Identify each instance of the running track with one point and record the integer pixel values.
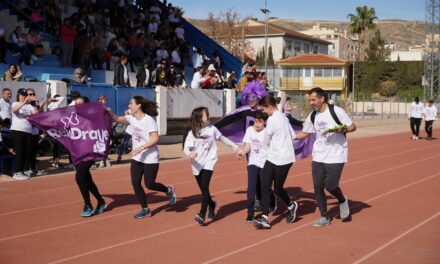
(392, 183)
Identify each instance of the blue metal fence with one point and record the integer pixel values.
(118, 97)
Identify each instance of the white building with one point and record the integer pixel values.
(292, 42)
(342, 46)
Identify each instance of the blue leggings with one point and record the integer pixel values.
(255, 174)
(124, 144)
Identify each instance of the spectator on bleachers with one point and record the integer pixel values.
(73, 96)
(3, 45)
(68, 35)
(155, 11)
(197, 79)
(17, 45)
(36, 17)
(79, 76)
(153, 26)
(53, 16)
(175, 57)
(18, 74)
(33, 42)
(180, 32)
(6, 104)
(160, 74)
(171, 77)
(121, 73)
(116, 50)
(10, 73)
(143, 76)
(198, 59)
(162, 54)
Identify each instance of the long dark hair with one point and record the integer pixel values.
(195, 122)
(148, 107)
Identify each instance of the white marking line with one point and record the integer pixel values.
(124, 243)
(229, 174)
(125, 179)
(309, 223)
(377, 250)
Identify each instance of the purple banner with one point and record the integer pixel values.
(83, 129)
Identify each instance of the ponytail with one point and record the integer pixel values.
(148, 107)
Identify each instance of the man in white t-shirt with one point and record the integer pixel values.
(198, 79)
(330, 151)
(430, 113)
(6, 104)
(415, 117)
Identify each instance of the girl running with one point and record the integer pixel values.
(145, 153)
(200, 146)
(280, 157)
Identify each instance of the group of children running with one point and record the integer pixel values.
(267, 144)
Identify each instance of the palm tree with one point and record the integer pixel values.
(360, 23)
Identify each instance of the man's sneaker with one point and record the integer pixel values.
(250, 218)
(414, 137)
(291, 215)
(101, 164)
(87, 212)
(200, 219)
(108, 163)
(142, 213)
(20, 176)
(417, 138)
(257, 206)
(171, 195)
(323, 221)
(30, 173)
(261, 223)
(211, 212)
(344, 209)
(274, 206)
(100, 207)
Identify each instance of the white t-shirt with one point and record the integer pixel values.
(279, 137)
(430, 113)
(197, 80)
(19, 121)
(175, 57)
(140, 131)
(180, 33)
(55, 105)
(205, 147)
(331, 147)
(5, 109)
(258, 153)
(416, 110)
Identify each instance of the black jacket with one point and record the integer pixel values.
(141, 76)
(119, 76)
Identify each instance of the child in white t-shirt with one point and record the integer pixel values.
(200, 145)
(253, 139)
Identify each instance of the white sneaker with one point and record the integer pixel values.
(344, 209)
(414, 137)
(101, 164)
(108, 163)
(417, 138)
(20, 176)
(29, 173)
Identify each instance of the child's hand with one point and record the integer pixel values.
(193, 155)
(240, 153)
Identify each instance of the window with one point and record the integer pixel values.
(317, 71)
(327, 72)
(315, 50)
(306, 48)
(297, 46)
(297, 72)
(308, 72)
(337, 71)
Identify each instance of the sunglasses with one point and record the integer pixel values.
(31, 94)
(77, 73)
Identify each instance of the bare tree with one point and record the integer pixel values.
(228, 29)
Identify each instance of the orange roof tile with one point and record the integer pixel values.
(313, 58)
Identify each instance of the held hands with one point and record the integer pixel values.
(136, 151)
(240, 153)
(193, 155)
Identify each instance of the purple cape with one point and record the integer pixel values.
(83, 129)
(234, 125)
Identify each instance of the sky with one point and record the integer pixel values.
(334, 10)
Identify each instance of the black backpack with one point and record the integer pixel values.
(331, 107)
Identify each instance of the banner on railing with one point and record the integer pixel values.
(181, 102)
(83, 129)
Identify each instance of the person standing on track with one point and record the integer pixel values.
(145, 153)
(430, 113)
(330, 151)
(280, 157)
(200, 145)
(415, 117)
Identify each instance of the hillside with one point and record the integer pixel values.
(402, 32)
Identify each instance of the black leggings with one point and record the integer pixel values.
(277, 175)
(428, 127)
(415, 125)
(85, 182)
(137, 170)
(203, 180)
(22, 143)
(34, 152)
(326, 176)
(56, 150)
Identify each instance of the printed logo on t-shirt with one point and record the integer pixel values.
(208, 141)
(256, 145)
(322, 125)
(137, 134)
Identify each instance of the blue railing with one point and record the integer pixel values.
(118, 98)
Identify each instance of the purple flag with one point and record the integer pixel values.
(83, 129)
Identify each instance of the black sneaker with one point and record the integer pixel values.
(200, 219)
(261, 223)
(257, 206)
(250, 218)
(291, 216)
(211, 213)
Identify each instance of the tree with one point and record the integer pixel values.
(228, 29)
(270, 61)
(283, 56)
(362, 21)
(376, 50)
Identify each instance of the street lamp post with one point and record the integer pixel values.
(266, 13)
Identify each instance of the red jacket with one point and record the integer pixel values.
(68, 34)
